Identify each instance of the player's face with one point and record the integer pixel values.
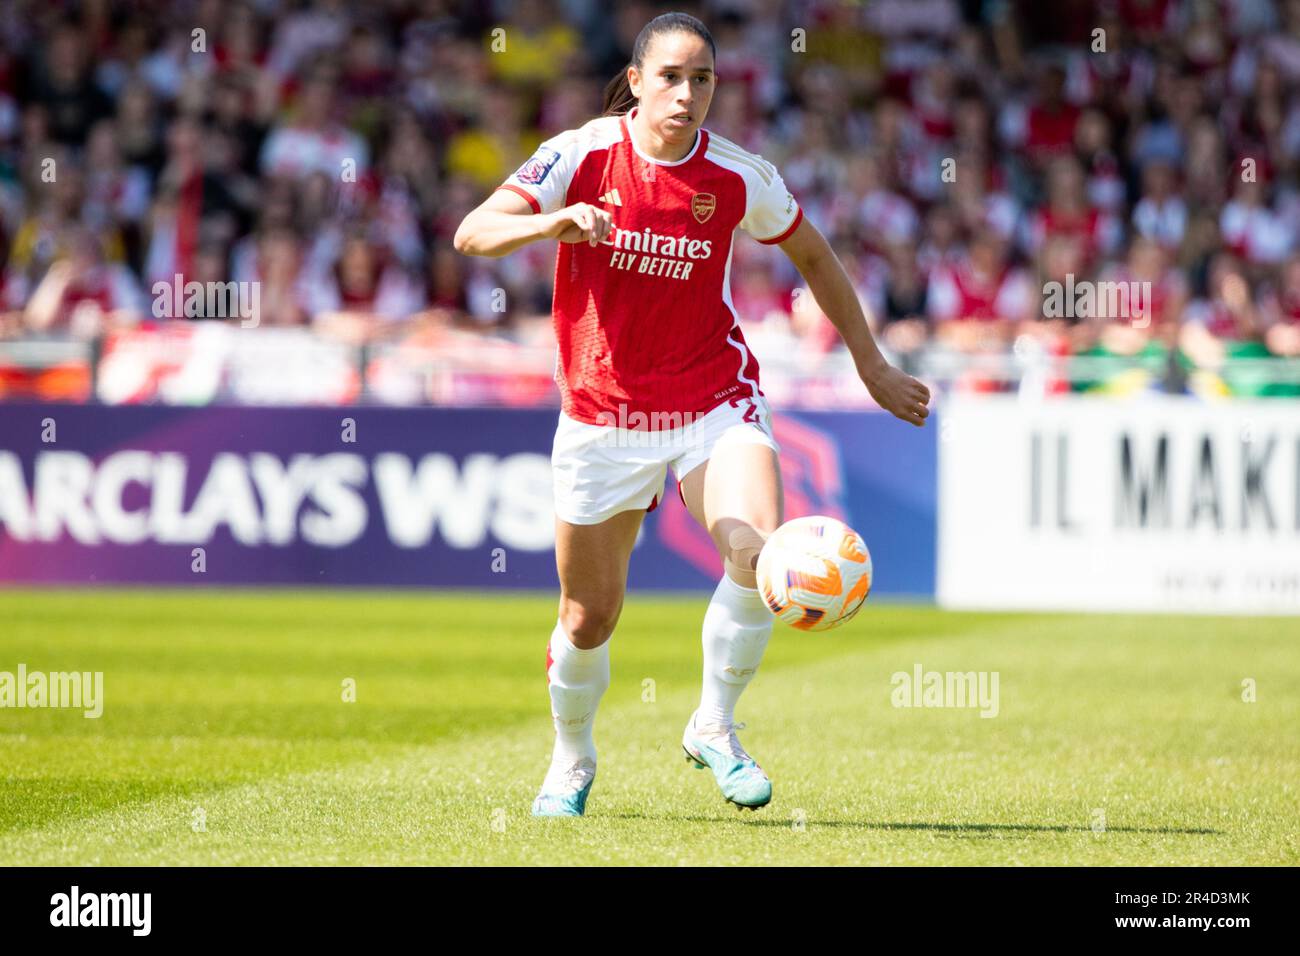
(675, 85)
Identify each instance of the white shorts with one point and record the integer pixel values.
(600, 470)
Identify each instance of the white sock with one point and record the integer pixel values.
(737, 626)
(578, 677)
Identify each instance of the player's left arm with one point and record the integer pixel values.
(893, 389)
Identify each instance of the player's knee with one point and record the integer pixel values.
(741, 547)
(590, 621)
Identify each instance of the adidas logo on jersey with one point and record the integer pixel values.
(611, 197)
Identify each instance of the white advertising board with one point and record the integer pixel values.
(1151, 504)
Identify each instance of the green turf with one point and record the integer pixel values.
(226, 707)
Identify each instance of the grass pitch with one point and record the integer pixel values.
(225, 738)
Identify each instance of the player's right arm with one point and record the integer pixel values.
(540, 186)
(506, 220)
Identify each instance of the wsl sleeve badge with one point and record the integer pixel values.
(536, 169)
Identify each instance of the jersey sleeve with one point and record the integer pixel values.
(544, 179)
(771, 212)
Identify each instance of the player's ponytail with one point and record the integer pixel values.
(618, 93)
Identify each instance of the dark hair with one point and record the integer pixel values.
(618, 94)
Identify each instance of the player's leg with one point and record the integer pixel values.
(592, 562)
(604, 483)
(736, 496)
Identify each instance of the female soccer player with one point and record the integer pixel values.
(653, 372)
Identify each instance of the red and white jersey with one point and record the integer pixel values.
(1099, 232)
(959, 293)
(644, 321)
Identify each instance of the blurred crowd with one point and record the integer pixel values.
(960, 157)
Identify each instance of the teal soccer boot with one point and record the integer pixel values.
(740, 778)
(565, 789)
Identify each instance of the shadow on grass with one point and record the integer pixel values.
(960, 829)
(27, 804)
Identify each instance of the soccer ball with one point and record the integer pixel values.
(814, 573)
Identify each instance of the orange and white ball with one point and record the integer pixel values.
(814, 573)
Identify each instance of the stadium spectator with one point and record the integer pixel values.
(977, 302)
(83, 293)
(312, 140)
(65, 86)
(1160, 214)
(904, 317)
(1068, 213)
(1281, 313)
(1224, 319)
(363, 291)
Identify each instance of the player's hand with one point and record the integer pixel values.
(581, 222)
(898, 393)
